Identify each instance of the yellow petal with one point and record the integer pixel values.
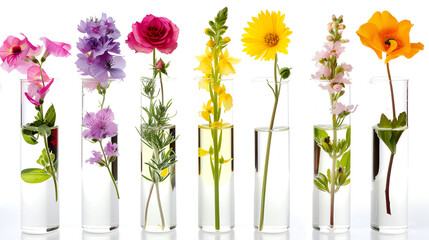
(164, 172)
(202, 152)
(204, 84)
(205, 115)
(226, 99)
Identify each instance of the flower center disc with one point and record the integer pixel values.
(271, 39)
(16, 49)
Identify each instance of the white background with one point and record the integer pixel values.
(307, 19)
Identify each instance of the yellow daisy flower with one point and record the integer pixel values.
(225, 63)
(205, 62)
(266, 36)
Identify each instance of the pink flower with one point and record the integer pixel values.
(337, 87)
(97, 157)
(100, 125)
(323, 72)
(341, 79)
(346, 67)
(321, 55)
(334, 49)
(90, 85)
(16, 54)
(36, 92)
(58, 49)
(153, 32)
(33, 73)
(159, 64)
(339, 108)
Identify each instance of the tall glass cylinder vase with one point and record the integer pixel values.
(271, 122)
(100, 194)
(332, 139)
(158, 169)
(389, 191)
(216, 156)
(39, 159)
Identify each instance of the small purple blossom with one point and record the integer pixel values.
(99, 27)
(110, 149)
(97, 157)
(100, 125)
(106, 65)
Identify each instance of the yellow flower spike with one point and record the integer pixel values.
(266, 36)
(202, 152)
(164, 172)
(225, 63)
(205, 62)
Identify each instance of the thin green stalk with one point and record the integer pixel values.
(334, 162)
(147, 205)
(392, 155)
(54, 178)
(160, 207)
(267, 153)
(108, 169)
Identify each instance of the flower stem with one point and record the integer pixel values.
(216, 177)
(267, 153)
(160, 207)
(147, 205)
(334, 162)
(108, 169)
(389, 171)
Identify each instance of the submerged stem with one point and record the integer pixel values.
(147, 205)
(267, 153)
(108, 169)
(160, 207)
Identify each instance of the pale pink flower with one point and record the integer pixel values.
(90, 85)
(321, 55)
(323, 72)
(334, 49)
(341, 79)
(339, 108)
(33, 74)
(337, 87)
(346, 67)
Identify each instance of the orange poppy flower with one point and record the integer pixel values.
(383, 33)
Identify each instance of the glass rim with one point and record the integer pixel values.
(386, 79)
(270, 80)
(37, 80)
(167, 79)
(222, 80)
(95, 80)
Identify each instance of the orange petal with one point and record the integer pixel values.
(384, 21)
(415, 48)
(367, 32)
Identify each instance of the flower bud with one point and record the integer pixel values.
(227, 39)
(330, 38)
(285, 72)
(334, 18)
(160, 64)
(335, 25)
(210, 43)
(337, 87)
(342, 26)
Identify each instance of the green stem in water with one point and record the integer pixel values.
(267, 153)
(160, 207)
(108, 169)
(147, 205)
(389, 170)
(334, 162)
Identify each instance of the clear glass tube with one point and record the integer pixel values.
(158, 197)
(389, 190)
(270, 116)
(332, 144)
(216, 167)
(100, 203)
(39, 201)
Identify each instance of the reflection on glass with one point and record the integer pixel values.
(270, 236)
(55, 235)
(114, 235)
(330, 235)
(171, 235)
(216, 235)
(383, 236)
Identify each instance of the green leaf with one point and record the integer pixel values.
(347, 182)
(44, 130)
(50, 116)
(29, 136)
(345, 161)
(384, 122)
(391, 137)
(34, 175)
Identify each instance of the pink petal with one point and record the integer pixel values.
(43, 90)
(31, 100)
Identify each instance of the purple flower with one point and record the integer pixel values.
(100, 125)
(106, 65)
(99, 27)
(110, 149)
(97, 157)
(95, 47)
